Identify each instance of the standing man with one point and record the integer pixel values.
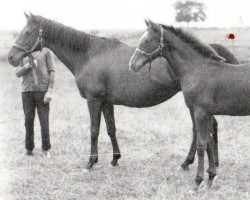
(37, 89)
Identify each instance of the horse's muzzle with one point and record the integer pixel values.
(133, 67)
(13, 58)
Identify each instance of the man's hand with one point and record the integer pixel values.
(32, 63)
(48, 96)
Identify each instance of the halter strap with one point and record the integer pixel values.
(160, 48)
(30, 51)
(38, 41)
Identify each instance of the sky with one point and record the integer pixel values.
(119, 14)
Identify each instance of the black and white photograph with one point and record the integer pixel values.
(125, 100)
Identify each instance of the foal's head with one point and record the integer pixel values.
(27, 41)
(159, 37)
(149, 48)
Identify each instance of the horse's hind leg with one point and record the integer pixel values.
(191, 154)
(211, 159)
(108, 112)
(213, 127)
(94, 105)
(202, 121)
(215, 138)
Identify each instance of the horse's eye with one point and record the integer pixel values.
(27, 32)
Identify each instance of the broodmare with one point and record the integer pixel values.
(101, 73)
(210, 86)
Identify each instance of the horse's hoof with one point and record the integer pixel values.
(183, 168)
(211, 182)
(196, 188)
(86, 171)
(192, 191)
(47, 154)
(113, 165)
(95, 166)
(28, 153)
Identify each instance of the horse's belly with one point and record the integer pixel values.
(143, 98)
(232, 108)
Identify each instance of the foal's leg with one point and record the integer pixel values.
(201, 121)
(211, 160)
(191, 154)
(108, 112)
(94, 105)
(215, 138)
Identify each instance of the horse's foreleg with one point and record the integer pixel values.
(94, 105)
(108, 112)
(191, 154)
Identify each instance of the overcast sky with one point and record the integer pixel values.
(119, 14)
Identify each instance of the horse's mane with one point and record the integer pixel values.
(70, 37)
(200, 47)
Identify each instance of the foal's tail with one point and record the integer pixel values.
(225, 53)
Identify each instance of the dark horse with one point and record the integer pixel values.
(210, 86)
(101, 73)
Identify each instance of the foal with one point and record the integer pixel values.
(210, 86)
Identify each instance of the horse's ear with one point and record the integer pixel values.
(146, 22)
(153, 25)
(26, 15)
(32, 15)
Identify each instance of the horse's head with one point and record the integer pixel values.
(150, 47)
(28, 41)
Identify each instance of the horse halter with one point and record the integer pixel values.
(29, 51)
(160, 48)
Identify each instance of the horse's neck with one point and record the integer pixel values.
(179, 55)
(76, 59)
(172, 61)
(65, 56)
(96, 45)
(69, 58)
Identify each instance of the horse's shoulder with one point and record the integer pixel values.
(91, 82)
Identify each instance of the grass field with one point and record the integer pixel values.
(153, 141)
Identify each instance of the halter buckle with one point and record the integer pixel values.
(40, 32)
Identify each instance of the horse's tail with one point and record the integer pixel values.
(225, 53)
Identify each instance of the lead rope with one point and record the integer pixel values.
(31, 57)
(31, 62)
(149, 70)
(40, 40)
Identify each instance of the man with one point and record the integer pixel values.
(37, 88)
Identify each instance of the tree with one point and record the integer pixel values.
(189, 10)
